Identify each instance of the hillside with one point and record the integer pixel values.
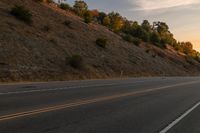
(39, 52)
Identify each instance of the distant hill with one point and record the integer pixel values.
(58, 45)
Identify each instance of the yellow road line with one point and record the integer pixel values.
(84, 102)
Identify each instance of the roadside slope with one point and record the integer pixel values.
(39, 52)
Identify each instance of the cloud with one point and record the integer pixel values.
(161, 4)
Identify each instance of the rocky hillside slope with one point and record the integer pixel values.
(40, 51)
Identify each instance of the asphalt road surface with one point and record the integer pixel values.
(138, 105)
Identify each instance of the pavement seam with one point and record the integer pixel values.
(63, 88)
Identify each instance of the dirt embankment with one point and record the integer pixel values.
(39, 52)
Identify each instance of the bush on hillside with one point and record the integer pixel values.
(147, 50)
(65, 6)
(137, 41)
(160, 45)
(20, 12)
(39, 0)
(54, 40)
(101, 42)
(46, 28)
(131, 39)
(47, 1)
(128, 38)
(67, 23)
(190, 60)
(76, 61)
(197, 58)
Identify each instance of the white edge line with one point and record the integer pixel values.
(171, 125)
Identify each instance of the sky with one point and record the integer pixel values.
(182, 16)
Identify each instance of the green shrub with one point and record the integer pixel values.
(155, 38)
(162, 45)
(76, 61)
(131, 39)
(128, 38)
(65, 6)
(101, 42)
(137, 41)
(20, 12)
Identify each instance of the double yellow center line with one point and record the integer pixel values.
(85, 102)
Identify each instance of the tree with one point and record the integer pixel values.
(101, 17)
(187, 47)
(166, 37)
(137, 31)
(116, 21)
(88, 17)
(106, 21)
(146, 25)
(95, 15)
(155, 38)
(161, 27)
(142, 34)
(127, 26)
(80, 7)
(176, 45)
(134, 27)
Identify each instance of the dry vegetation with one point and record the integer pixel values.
(58, 45)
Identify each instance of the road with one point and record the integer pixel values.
(137, 105)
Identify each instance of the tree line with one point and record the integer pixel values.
(157, 33)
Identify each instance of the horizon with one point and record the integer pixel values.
(184, 27)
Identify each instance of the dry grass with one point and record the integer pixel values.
(28, 53)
